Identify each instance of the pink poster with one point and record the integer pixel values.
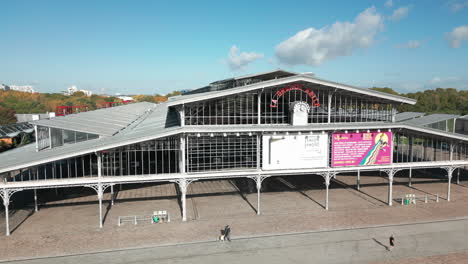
(361, 149)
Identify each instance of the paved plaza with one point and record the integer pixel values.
(415, 243)
(69, 225)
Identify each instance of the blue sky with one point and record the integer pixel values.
(146, 47)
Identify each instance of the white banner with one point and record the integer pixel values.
(295, 152)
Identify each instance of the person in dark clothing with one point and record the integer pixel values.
(392, 242)
(227, 233)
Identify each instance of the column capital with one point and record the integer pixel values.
(327, 176)
(450, 170)
(6, 194)
(183, 184)
(99, 188)
(391, 172)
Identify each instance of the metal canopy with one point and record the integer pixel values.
(399, 117)
(13, 130)
(105, 122)
(430, 119)
(295, 78)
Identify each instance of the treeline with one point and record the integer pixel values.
(14, 102)
(440, 100)
(449, 101)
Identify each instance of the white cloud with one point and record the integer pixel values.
(389, 3)
(314, 46)
(435, 80)
(458, 35)
(238, 60)
(457, 6)
(447, 82)
(399, 13)
(412, 44)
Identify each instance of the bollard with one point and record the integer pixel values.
(136, 220)
(425, 199)
(402, 199)
(437, 198)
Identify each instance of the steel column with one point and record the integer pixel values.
(112, 194)
(358, 180)
(449, 170)
(99, 163)
(35, 201)
(100, 194)
(6, 202)
(390, 173)
(327, 177)
(258, 182)
(259, 103)
(329, 106)
(410, 176)
(37, 138)
(182, 154)
(183, 190)
(327, 184)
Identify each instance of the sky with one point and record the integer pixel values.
(149, 47)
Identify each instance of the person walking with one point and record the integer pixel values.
(227, 233)
(392, 242)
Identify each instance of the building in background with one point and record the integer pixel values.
(19, 88)
(73, 89)
(125, 98)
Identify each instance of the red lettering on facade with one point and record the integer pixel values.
(282, 91)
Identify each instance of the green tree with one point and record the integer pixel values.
(7, 116)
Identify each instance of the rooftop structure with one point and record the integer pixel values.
(19, 88)
(277, 123)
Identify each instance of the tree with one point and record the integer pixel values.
(7, 116)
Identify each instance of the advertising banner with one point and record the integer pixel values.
(295, 151)
(361, 149)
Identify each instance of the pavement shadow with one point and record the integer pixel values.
(294, 187)
(360, 191)
(31, 212)
(381, 244)
(243, 196)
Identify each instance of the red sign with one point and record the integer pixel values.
(292, 87)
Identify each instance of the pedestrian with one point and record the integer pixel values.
(227, 233)
(392, 242)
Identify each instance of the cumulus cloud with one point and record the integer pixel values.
(314, 46)
(457, 6)
(435, 80)
(412, 44)
(447, 82)
(399, 13)
(457, 36)
(389, 3)
(238, 60)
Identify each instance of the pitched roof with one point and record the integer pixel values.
(299, 77)
(15, 129)
(431, 119)
(407, 115)
(104, 122)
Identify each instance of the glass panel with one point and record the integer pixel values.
(68, 136)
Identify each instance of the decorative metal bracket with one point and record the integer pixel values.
(327, 176)
(183, 183)
(6, 194)
(258, 179)
(450, 170)
(99, 188)
(391, 172)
